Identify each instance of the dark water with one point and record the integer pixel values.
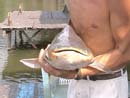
(17, 80)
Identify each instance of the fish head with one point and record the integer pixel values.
(69, 55)
(52, 55)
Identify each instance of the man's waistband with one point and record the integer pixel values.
(105, 76)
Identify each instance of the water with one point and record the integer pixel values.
(14, 76)
(17, 80)
(3, 53)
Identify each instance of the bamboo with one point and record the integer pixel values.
(9, 19)
(20, 9)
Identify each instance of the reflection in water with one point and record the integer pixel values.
(16, 77)
(16, 69)
(3, 52)
(28, 91)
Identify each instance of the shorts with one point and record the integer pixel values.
(110, 88)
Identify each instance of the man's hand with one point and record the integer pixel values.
(53, 71)
(47, 68)
(89, 71)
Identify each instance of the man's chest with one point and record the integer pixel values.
(89, 16)
(88, 12)
(90, 19)
(88, 9)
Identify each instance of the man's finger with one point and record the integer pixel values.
(41, 54)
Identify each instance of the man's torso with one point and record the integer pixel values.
(91, 20)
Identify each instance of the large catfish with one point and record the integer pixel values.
(67, 51)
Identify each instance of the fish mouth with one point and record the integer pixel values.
(71, 49)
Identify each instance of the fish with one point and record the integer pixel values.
(67, 51)
(31, 62)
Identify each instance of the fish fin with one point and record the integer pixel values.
(31, 62)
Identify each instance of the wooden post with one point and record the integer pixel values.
(9, 19)
(29, 40)
(20, 9)
(9, 39)
(15, 39)
(21, 38)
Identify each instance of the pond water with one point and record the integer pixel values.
(14, 76)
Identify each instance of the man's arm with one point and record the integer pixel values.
(120, 26)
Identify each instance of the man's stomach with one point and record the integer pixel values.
(99, 43)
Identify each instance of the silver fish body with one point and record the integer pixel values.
(67, 51)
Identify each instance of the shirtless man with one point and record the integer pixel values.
(104, 26)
